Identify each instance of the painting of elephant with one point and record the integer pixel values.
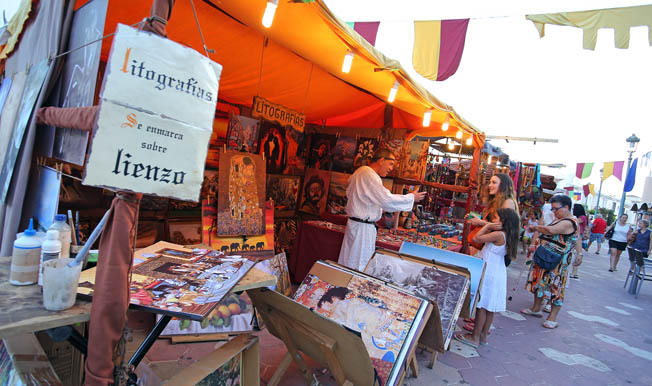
(260, 245)
(235, 247)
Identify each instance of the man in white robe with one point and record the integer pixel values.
(367, 198)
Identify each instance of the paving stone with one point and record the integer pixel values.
(454, 360)
(508, 380)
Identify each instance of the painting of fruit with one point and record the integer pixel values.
(233, 314)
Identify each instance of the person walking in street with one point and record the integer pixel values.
(582, 222)
(618, 241)
(557, 239)
(597, 232)
(367, 198)
(500, 241)
(641, 246)
(530, 220)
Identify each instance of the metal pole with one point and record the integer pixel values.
(597, 204)
(621, 210)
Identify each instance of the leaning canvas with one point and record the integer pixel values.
(241, 194)
(441, 285)
(390, 320)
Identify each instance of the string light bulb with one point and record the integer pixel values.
(392, 92)
(444, 126)
(451, 146)
(459, 134)
(348, 61)
(469, 141)
(426, 118)
(270, 11)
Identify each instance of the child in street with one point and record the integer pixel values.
(527, 236)
(500, 240)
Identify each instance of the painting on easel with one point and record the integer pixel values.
(241, 196)
(390, 320)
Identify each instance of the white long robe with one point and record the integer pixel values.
(367, 198)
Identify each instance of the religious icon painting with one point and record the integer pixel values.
(343, 154)
(395, 146)
(413, 160)
(337, 193)
(273, 146)
(284, 191)
(321, 151)
(315, 191)
(297, 150)
(243, 134)
(241, 194)
(365, 150)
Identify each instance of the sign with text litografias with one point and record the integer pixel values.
(155, 120)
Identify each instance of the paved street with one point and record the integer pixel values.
(604, 338)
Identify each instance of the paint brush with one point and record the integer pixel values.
(72, 228)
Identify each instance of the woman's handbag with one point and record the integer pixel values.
(609, 234)
(546, 259)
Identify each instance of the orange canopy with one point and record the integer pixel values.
(297, 63)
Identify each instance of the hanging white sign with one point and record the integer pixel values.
(156, 116)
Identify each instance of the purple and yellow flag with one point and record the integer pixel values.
(438, 47)
(583, 170)
(366, 29)
(613, 169)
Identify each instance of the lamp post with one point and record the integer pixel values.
(597, 204)
(632, 144)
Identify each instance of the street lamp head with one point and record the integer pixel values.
(632, 143)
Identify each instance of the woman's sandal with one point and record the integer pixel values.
(462, 339)
(547, 308)
(550, 324)
(528, 311)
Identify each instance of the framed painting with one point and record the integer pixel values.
(297, 149)
(321, 151)
(237, 362)
(365, 149)
(243, 134)
(343, 154)
(413, 160)
(390, 320)
(273, 146)
(285, 234)
(284, 191)
(184, 231)
(241, 194)
(337, 193)
(315, 191)
(443, 285)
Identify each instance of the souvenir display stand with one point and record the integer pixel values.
(475, 267)
(446, 286)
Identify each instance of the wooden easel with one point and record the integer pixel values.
(323, 340)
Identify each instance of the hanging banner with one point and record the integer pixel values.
(155, 119)
(262, 108)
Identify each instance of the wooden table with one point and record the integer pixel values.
(23, 310)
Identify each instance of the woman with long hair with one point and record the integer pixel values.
(582, 221)
(618, 241)
(500, 240)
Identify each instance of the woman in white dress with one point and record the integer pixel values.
(500, 240)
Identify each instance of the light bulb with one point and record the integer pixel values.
(469, 141)
(270, 10)
(392, 92)
(445, 125)
(459, 134)
(426, 118)
(451, 146)
(348, 61)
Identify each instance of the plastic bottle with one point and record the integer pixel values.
(25, 258)
(65, 233)
(50, 249)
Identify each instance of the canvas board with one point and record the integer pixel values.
(315, 191)
(365, 149)
(389, 319)
(343, 154)
(32, 89)
(337, 199)
(243, 134)
(278, 266)
(273, 146)
(297, 148)
(395, 146)
(284, 191)
(42, 200)
(285, 234)
(321, 151)
(179, 286)
(241, 194)
(474, 265)
(76, 87)
(446, 288)
(414, 157)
